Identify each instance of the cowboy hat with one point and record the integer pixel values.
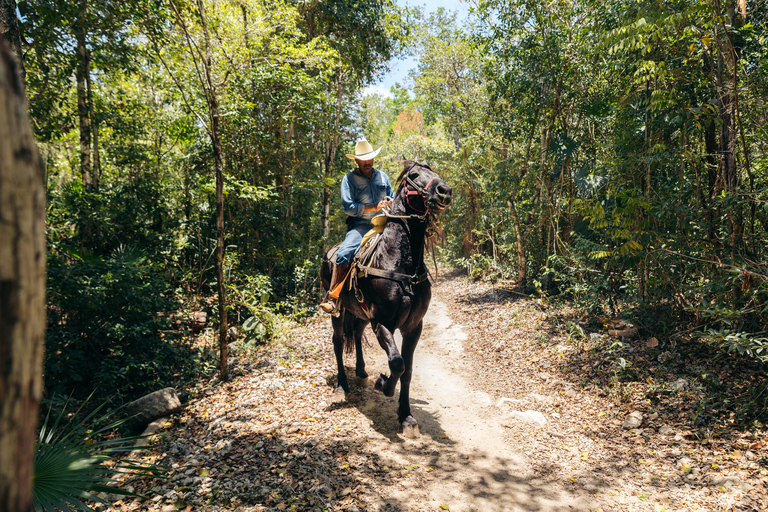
(364, 151)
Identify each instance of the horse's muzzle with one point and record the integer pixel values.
(443, 196)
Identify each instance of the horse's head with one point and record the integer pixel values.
(422, 190)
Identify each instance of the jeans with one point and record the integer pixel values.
(351, 243)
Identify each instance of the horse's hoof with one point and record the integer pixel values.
(338, 395)
(410, 428)
(361, 374)
(380, 383)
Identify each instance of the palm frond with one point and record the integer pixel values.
(72, 461)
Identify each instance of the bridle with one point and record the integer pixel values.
(431, 234)
(416, 191)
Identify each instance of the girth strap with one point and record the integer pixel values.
(395, 276)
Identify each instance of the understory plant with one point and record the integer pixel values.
(74, 460)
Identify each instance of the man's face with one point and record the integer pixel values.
(365, 166)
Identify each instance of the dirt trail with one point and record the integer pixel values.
(272, 439)
(461, 434)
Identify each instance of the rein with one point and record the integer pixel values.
(430, 237)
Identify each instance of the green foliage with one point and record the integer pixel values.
(109, 325)
(745, 344)
(73, 461)
(587, 145)
(133, 252)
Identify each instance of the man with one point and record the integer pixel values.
(364, 192)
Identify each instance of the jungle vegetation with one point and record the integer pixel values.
(612, 154)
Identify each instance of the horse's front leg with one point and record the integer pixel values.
(359, 361)
(410, 340)
(396, 365)
(338, 349)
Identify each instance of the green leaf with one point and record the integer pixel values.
(251, 323)
(68, 465)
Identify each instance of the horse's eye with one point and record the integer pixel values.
(414, 175)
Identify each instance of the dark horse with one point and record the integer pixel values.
(396, 290)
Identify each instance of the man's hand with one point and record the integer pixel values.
(378, 206)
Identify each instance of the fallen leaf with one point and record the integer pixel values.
(444, 506)
(686, 468)
(412, 466)
(652, 342)
(429, 470)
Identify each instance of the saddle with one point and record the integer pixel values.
(361, 263)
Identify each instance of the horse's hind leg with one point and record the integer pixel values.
(360, 362)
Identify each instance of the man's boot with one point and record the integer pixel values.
(331, 302)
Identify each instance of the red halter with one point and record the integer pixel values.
(416, 191)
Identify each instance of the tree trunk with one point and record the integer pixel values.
(96, 170)
(521, 259)
(325, 214)
(213, 106)
(215, 134)
(330, 157)
(82, 107)
(10, 30)
(22, 288)
(454, 131)
(727, 72)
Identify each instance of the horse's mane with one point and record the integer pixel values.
(407, 166)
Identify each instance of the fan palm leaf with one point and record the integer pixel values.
(72, 462)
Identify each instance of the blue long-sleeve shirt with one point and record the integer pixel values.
(357, 191)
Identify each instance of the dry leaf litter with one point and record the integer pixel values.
(273, 439)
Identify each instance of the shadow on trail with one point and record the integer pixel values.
(381, 410)
(494, 296)
(442, 470)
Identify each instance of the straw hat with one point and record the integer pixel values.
(364, 151)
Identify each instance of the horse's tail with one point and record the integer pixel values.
(348, 322)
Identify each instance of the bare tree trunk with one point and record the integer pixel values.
(326, 214)
(22, 288)
(10, 30)
(82, 106)
(215, 133)
(213, 106)
(454, 131)
(96, 171)
(521, 259)
(330, 156)
(727, 74)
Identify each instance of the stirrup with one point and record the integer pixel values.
(330, 306)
